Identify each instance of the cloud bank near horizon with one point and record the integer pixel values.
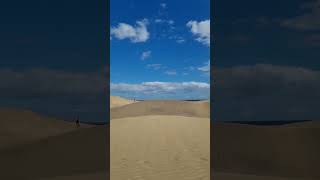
(266, 92)
(162, 90)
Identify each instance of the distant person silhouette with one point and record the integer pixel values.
(78, 121)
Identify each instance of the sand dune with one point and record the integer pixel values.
(116, 101)
(160, 140)
(288, 151)
(37, 147)
(83, 151)
(234, 176)
(93, 176)
(160, 147)
(22, 126)
(176, 108)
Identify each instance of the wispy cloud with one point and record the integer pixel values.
(171, 72)
(154, 66)
(137, 33)
(190, 68)
(180, 40)
(201, 30)
(163, 5)
(205, 68)
(145, 55)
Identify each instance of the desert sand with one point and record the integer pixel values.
(116, 101)
(149, 141)
(280, 152)
(34, 146)
(156, 140)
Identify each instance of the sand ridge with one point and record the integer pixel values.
(23, 126)
(162, 107)
(116, 101)
(160, 139)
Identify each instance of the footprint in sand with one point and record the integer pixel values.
(146, 164)
(204, 159)
(124, 163)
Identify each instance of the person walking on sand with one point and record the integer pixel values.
(78, 121)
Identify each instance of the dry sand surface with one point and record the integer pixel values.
(283, 152)
(37, 147)
(22, 126)
(234, 176)
(157, 140)
(116, 101)
(175, 108)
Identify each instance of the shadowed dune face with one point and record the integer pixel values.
(289, 151)
(21, 127)
(37, 147)
(235, 176)
(176, 108)
(77, 153)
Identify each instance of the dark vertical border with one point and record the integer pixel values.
(211, 86)
(108, 86)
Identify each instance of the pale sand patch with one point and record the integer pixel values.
(160, 148)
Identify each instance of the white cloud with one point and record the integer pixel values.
(171, 72)
(205, 68)
(181, 41)
(190, 68)
(163, 5)
(201, 30)
(169, 21)
(159, 87)
(137, 33)
(158, 20)
(154, 66)
(145, 55)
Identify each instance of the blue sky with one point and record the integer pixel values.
(160, 49)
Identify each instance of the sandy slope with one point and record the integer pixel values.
(93, 176)
(234, 176)
(290, 151)
(22, 126)
(160, 147)
(176, 108)
(76, 153)
(37, 147)
(116, 101)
